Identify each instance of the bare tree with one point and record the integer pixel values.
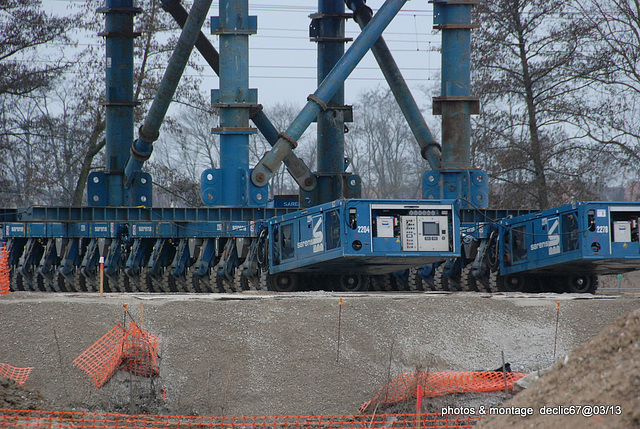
(189, 146)
(23, 28)
(612, 118)
(531, 73)
(382, 149)
(24, 77)
(66, 120)
(173, 188)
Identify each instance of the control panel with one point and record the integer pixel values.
(424, 233)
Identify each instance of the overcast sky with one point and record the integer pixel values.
(283, 60)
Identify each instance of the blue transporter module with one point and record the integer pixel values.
(565, 248)
(354, 239)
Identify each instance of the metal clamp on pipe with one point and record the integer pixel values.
(318, 101)
(287, 137)
(139, 155)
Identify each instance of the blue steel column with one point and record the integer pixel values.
(455, 104)
(328, 25)
(119, 102)
(230, 184)
(234, 88)
(317, 101)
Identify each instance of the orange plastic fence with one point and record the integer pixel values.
(19, 419)
(131, 349)
(4, 270)
(140, 354)
(19, 375)
(434, 384)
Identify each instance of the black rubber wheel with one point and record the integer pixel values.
(352, 283)
(283, 283)
(240, 282)
(415, 280)
(512, 283)
(440, 281)
(583, 283)
(467, 280)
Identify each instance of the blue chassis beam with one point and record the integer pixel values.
(166, 222)
(108, 222)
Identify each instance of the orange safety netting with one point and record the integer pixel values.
(140, 355)
(20, 419)
(19, 375)
(434, 384)
(4, 270)
(131, 349)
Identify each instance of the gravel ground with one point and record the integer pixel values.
(263, 354)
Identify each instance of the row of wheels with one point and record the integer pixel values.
(409, 280)
(494, 282)
(581, 283)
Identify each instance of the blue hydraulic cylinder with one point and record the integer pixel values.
(429, 148)
(141, 148)
(317, 101)
(119, 102)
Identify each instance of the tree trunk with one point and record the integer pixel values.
(95, 146)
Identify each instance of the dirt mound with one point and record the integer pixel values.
(601, 379)
(16, 397)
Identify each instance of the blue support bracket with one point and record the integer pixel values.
(211, 184)
(100, 190)
(468, 186)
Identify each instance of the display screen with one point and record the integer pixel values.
(430, 228)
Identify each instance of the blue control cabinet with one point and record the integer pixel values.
(360, 236)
